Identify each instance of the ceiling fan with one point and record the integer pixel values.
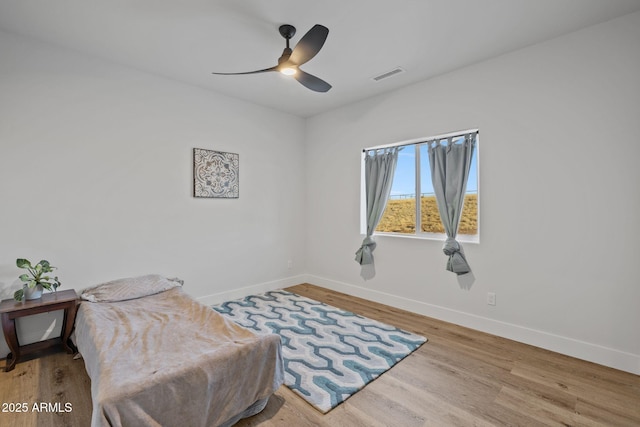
(290, 60)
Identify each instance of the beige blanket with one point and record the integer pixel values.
(167, 360)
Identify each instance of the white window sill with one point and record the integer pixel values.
(461, 238)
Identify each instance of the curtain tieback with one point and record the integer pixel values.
(451, 246)
(457, 262)
(364, 255)
(368, 241)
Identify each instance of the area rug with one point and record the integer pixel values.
(329, 354)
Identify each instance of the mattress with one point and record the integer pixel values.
(166, 360)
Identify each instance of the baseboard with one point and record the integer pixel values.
(252, 289)
(595, 353)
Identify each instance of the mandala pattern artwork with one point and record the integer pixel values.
(215, 174)
(329, 354)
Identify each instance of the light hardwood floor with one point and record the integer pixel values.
(460, 377)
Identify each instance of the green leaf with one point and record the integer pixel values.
(32, 283)
(46, 266)
(24, 277)
(23, 263)
(17, 295)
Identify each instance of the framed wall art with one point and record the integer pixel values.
(215, 174)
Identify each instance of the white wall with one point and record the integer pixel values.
(559, 205)
(96, 177)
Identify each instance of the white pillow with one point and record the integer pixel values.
(129, 288)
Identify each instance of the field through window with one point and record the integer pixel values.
(400, 216)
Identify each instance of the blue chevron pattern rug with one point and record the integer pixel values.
(329, 354)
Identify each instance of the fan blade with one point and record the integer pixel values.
(248, 72)
(311, 82)
(309, 45)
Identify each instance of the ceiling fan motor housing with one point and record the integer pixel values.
(287, 31)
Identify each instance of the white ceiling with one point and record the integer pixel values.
(186, 40)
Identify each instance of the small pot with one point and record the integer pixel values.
(33, 293)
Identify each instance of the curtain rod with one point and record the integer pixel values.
(423, 140)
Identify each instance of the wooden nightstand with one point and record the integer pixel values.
(11, 309)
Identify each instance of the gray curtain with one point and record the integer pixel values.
(450, 165)
(379, 168)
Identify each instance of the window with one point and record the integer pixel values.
(404, 216)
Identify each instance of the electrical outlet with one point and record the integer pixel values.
(491, 298)
(289, 264)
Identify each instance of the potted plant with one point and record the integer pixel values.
(35, 280)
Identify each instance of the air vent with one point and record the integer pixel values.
(388, 74)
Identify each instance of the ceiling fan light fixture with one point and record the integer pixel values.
(288, 71)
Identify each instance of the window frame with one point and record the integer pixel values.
(419, 234)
